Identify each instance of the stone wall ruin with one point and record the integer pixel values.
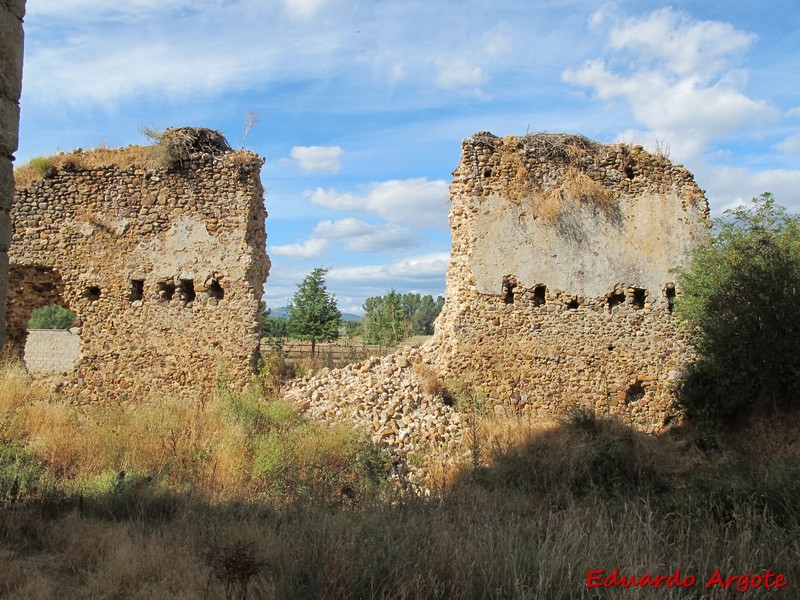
(164, 265)
(11, 43)
(560, 284)
(559, 295)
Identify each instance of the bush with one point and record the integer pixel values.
(51, 317)
(741, 305)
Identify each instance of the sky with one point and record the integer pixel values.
(362, 105)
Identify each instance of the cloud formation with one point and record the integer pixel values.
(420, 270)
(417, 202)
(351, 235)
(683, 83)
(318, 159)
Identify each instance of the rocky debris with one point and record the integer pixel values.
(390, 398)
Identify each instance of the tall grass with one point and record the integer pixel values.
(243, 498)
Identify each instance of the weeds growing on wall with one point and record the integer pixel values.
(170, 149)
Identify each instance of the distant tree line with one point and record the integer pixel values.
(314, 316)
(394, 317)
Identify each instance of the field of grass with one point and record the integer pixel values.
(243, 498)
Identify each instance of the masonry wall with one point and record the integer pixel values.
(164, 269)
(11, 45)
(559, 288)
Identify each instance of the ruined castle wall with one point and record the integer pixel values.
(11, 42)
(164, 269)
(559, 288)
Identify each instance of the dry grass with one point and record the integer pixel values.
(170, 149)
(573, 191)
(243, 498)
(46, 166)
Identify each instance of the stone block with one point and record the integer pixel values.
(5, 230)
(16, 7)
(9, 126)
(3, 295)
(11, 46)
(6, 183)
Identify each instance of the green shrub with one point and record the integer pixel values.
(741, 304)
(51, 317)
(43, 165)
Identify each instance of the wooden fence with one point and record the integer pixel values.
(330, 354)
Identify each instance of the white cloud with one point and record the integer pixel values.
(686, 47)
(456, 72)
(304, 9)
(353, 235)
(791, 145)
(311, 248)
(683, 85)
(733, 186)
(325, 159)
(793, 112)
(417, 202)
(360, 236)
(421, 269)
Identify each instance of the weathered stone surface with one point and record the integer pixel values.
(164, 269)
(559, 287)
(9, 114)
(11, 49)
(11, 56)
(559, 294)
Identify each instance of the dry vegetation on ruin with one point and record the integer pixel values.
(241, 493)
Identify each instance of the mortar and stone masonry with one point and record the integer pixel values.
(559, 294)
(164, 268)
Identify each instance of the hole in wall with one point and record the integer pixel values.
(539, 295)
(50, 345)
(187, 293)
(639, 295)
(215, 290)
(92, 293)
(635, 393)
(616, 297)
(166, 290)
(669, 292)
(137, 290)
(487, 172)
(573, 303)
(509, 283)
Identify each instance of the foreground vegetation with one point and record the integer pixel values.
(242, 498)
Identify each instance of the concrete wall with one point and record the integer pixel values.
(559, 287)
(51, 350)
(164, 267)
(11, 45)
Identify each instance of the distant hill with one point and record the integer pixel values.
(283, 312)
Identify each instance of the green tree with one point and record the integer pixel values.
(51, 317)
(385, 319)
(741, 303)
(313, 314)
(393, 314)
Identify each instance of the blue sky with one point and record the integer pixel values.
(363, 105)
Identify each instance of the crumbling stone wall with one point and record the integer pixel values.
(11, 42)
(164, 268)
(559, 288)
(559, 294)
